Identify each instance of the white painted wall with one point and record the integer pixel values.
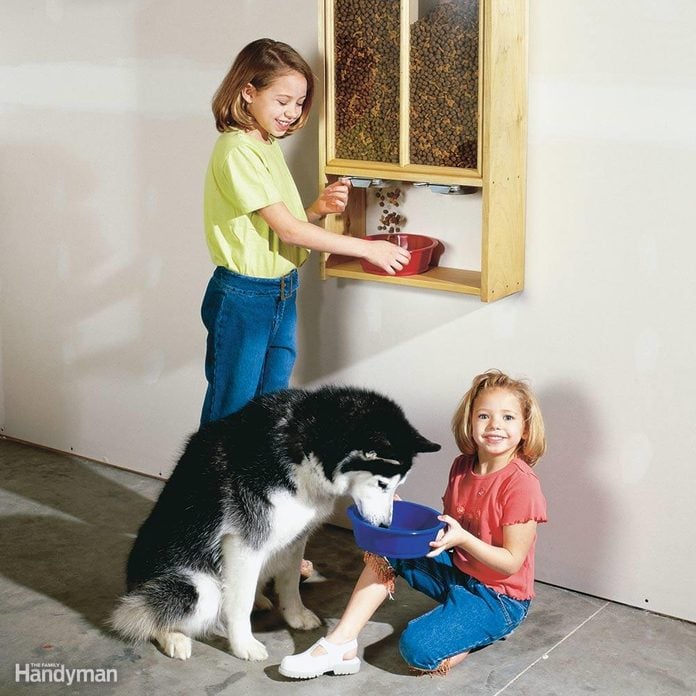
(105, 133)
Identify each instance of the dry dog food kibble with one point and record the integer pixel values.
(443, 76)
(367, 79)
(444, 86)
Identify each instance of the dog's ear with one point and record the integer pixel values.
(422, 444)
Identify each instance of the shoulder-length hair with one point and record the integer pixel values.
(258, 63)
(533, 443)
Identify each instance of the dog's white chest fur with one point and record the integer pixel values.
(293, 512)
(290, 517)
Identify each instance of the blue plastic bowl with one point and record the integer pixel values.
(412, 529)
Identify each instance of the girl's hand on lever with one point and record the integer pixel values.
(333, 199)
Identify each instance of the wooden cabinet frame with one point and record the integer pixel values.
(501, 172)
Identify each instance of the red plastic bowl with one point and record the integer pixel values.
(420, 246)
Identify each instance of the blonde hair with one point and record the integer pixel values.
(533, 443)
(258, 63)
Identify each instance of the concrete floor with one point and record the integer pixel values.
(67, 526)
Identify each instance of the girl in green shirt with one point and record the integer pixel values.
(258, 232)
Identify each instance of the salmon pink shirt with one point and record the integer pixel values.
(483, 505)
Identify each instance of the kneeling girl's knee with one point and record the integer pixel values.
(421, 652)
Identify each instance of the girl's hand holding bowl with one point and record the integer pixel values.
(447, 538)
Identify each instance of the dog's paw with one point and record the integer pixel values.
(262, 603)
(304, 620)
(250, 649)
(175, 644)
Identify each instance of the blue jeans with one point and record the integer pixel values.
(470, 614)
(251, 343)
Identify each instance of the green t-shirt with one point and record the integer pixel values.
(243, 176)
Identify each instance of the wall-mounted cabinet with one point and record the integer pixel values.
(430, 91)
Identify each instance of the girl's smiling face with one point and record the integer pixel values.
(276, 107)
(497, 425)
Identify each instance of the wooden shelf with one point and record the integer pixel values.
(414, 173)
(439, 278)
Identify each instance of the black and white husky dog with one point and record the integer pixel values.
(241, 502)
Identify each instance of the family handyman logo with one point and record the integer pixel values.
(54, 673)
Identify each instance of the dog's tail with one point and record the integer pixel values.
(159, 604)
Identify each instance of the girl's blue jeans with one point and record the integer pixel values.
(469, 614)
(251, 344)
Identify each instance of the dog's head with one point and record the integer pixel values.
(372, 478)
(370, 450)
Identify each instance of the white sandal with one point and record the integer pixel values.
(307, 666)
